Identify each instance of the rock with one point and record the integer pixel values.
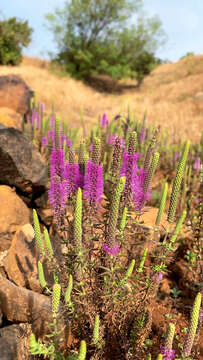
(21, 305)
(13, 214)
(10, 118)
(21, 262)
(21, 164)
(15, 94)
(14, 342)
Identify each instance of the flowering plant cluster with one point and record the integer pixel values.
(104, 283)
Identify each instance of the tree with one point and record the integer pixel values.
(95, 37)
(14, 35)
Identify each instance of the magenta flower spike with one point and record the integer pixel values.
(52, 121)
(45, 141)
(57, 165)
(69, 142)
(104, 121)
(139, 197)
(93, 183)
(72, 178)
(197, 164)
(114, 251)
(57, 196)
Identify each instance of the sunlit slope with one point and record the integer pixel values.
(168, 95)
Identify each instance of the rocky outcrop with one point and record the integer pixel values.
(13, 214)
(10, 118)
(21, 164)
(15, 94)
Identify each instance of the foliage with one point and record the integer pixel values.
(14, 35)
(95, 37)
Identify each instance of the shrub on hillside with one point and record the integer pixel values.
(14, 35)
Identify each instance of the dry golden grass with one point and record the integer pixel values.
(167, 94)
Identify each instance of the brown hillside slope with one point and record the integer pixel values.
(167, 94)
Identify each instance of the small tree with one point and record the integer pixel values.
(94, 37)
(14, 35)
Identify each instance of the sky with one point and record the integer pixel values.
(182, 21)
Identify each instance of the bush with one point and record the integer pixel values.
(14, 35)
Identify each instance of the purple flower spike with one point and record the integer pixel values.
(57, 164)
(93, 182)
(69, 142)
(104, 121)
(45, 141)
(142, 134)
(114, 251)
(42, 106)
(197, 164)
(62, 140)
(52, 121)
(91, 147)
(57, 196)
(167, 355)
(117, 117)
(72, 177)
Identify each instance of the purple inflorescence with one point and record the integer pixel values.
(93, 182)
(114, 251)
(57, 163)
(135, 178)
(139, 197)
(69, 142)
(104, 121)
(197, 164)
(58, 195)
(167, 355)
(72, 178)
(45, 141)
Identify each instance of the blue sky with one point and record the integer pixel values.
(182, 21)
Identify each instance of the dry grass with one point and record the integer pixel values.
(167, 94)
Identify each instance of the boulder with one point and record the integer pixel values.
(15, 94)
(10, 118)
(21, 164)
(20, 305)
(14, 342)
(21, 261)
(13, 214)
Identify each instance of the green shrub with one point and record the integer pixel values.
(14, 35)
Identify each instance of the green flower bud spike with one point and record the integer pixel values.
(81, 157)
(32, 341)
(83, 350)
(177, 183)
(159, 357)
(169, 337)
(149, 357)
(38, 232)
(162, 204)
(114, 212)
(96, 330)
(78, 220)
(56, 298)
(57, 133)
(151, 171)
(123, 220)
(69, 289)
(132, 143)
(178, 226)
(41, 275)
(96, 153)
(192, 326)
(128, 273)
(140, 269)
(48, 243)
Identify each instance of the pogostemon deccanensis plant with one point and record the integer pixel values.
(107, 286)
